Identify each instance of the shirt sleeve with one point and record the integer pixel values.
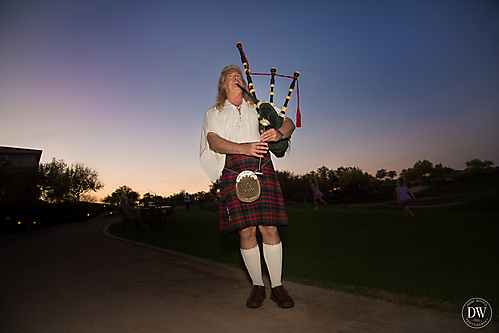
(211, 161)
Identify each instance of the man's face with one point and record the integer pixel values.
(232, 78)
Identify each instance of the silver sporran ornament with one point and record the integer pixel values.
(247, 186)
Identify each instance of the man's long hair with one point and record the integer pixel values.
(221, 95)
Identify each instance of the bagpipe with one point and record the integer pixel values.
(268, 117)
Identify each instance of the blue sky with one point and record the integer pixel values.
(122, 86)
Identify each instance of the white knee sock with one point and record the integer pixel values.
(273, 258)
(251, 258)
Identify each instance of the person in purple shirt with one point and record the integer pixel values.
(403, 197)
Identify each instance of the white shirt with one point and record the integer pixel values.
(231, 125)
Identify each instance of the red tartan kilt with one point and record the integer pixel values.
(267, 210)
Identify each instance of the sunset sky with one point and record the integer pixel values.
(122, 86)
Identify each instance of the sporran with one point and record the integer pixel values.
(247, 186)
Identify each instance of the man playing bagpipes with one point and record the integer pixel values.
(233, 146)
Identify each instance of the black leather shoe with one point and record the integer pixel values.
(281, 297)
(257, 297)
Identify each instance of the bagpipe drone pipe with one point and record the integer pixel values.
(268, 117)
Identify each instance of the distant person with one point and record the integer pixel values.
(403, 197)
(317, 192)
(132, 203)
(214, 197)
(131, 212)
(187, 201)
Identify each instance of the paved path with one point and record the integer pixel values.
(77, 279)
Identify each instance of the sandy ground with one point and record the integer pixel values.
(78, 279)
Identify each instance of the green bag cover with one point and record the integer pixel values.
(267, 111)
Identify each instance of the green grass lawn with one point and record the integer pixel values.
(447, 256)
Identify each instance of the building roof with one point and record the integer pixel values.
(21, 157)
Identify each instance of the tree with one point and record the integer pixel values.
(293, 187)
(89, 198)
(323, 172)
(440, 170)
(353, 180)
(392, 174)
(114, 198)
(177, 199)
(148, 197)
(54, 184)
(424, 169)
(61, 182)
(327, 179)
(421, 170)
(477, 165)
(154, 198)
(200, 198)
(286, 182)
(381, 174)
(214, 187)
(82, 180)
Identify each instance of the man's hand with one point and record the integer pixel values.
(256, 149)
(270, 135)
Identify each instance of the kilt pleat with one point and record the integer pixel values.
(269, 209)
